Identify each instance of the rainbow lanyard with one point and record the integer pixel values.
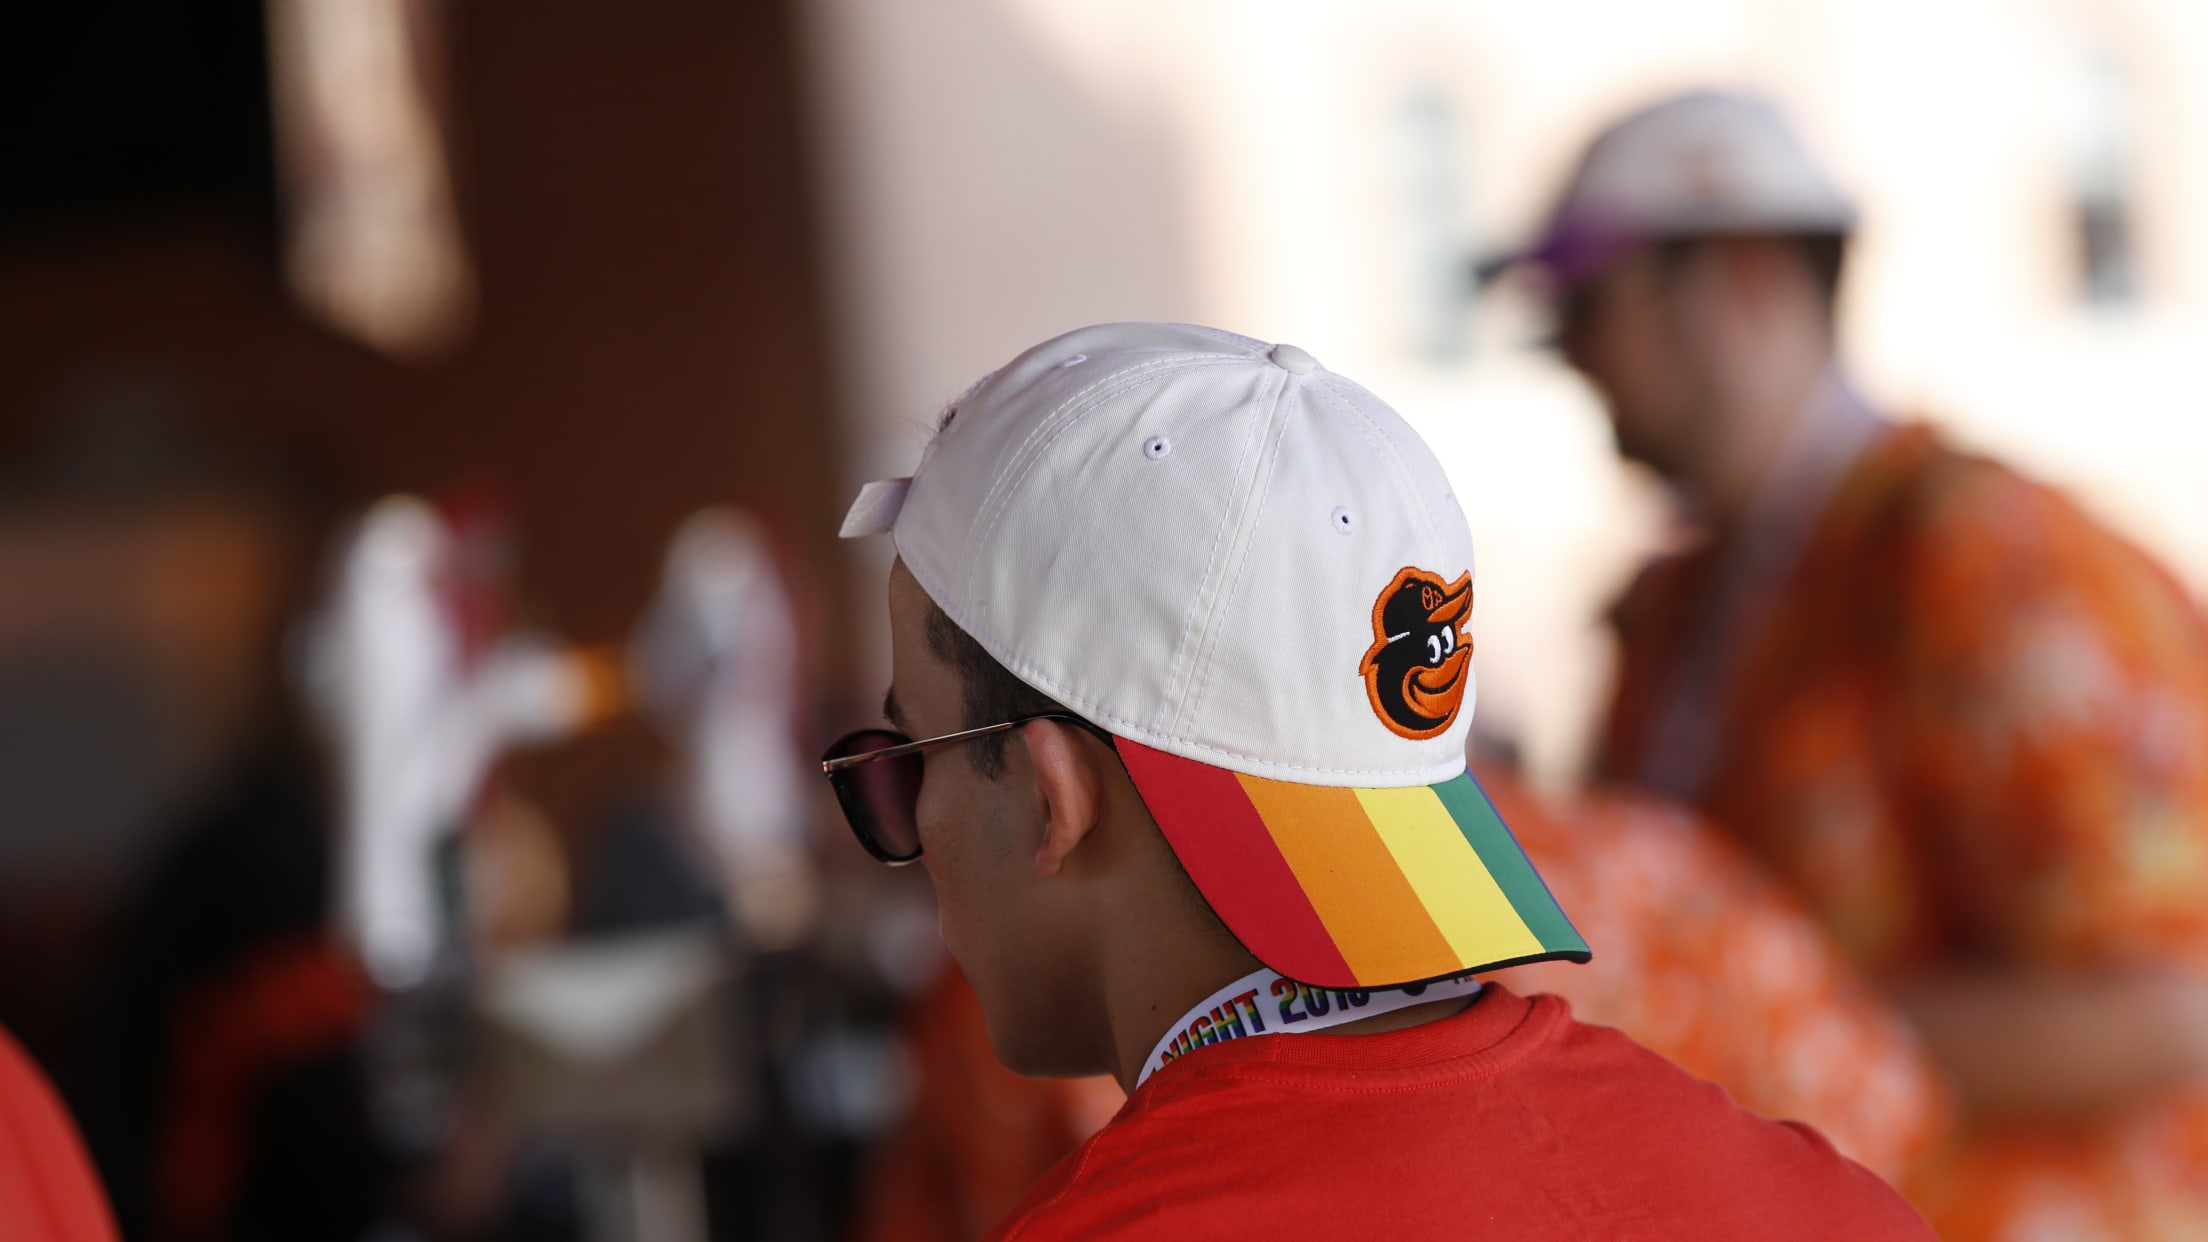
(1266, 1003)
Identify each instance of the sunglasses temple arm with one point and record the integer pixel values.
(845, 762)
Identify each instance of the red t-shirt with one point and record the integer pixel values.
(48, 1192)
(1510, 1120)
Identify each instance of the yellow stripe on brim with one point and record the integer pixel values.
(1454, 887)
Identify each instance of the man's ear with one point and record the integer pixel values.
(1072, 789)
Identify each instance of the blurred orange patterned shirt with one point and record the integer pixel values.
(1698, 956)
(1967, 724)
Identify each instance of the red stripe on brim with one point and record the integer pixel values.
(1226, 850)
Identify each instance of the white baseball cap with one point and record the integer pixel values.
(1692, 165)
(1253, 574)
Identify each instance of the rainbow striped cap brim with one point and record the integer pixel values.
(1355, 888)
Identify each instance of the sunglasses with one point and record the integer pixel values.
(876, 774)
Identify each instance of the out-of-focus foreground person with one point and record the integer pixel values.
(1179, 622)
(48, 1192)
(1963, 719)
(1704, 959)
(163, 864)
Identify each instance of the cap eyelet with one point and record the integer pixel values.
(1074, 361)
(1156, 447)
(1344, 521)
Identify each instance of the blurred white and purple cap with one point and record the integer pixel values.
(1698, 164)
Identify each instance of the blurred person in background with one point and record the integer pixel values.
(163, 865)
(1702, 958)
(1962, 719)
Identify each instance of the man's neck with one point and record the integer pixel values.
(1149, 990)
(1741, 462)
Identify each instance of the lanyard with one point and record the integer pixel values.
(1265, 1003)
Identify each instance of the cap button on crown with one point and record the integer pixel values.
(1292, 360)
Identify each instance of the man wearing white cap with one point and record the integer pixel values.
(1181, 620)
(1965, 721)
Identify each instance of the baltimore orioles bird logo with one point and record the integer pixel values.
(1420, 659)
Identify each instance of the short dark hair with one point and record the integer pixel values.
(990, 693)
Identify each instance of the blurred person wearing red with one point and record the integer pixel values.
(1178, 618)
(164, 951)
(1964, 721)
(48, 1192)
(1704, 960)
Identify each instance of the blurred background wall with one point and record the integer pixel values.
(634, 207)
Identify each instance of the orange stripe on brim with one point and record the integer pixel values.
(1376, 917)
(1227, 850)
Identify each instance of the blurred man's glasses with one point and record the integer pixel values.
(876, 774)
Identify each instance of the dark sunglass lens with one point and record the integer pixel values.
(891, 790)
(883, 798)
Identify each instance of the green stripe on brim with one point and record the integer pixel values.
(1499, 852)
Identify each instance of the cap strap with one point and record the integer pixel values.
(876, 509)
